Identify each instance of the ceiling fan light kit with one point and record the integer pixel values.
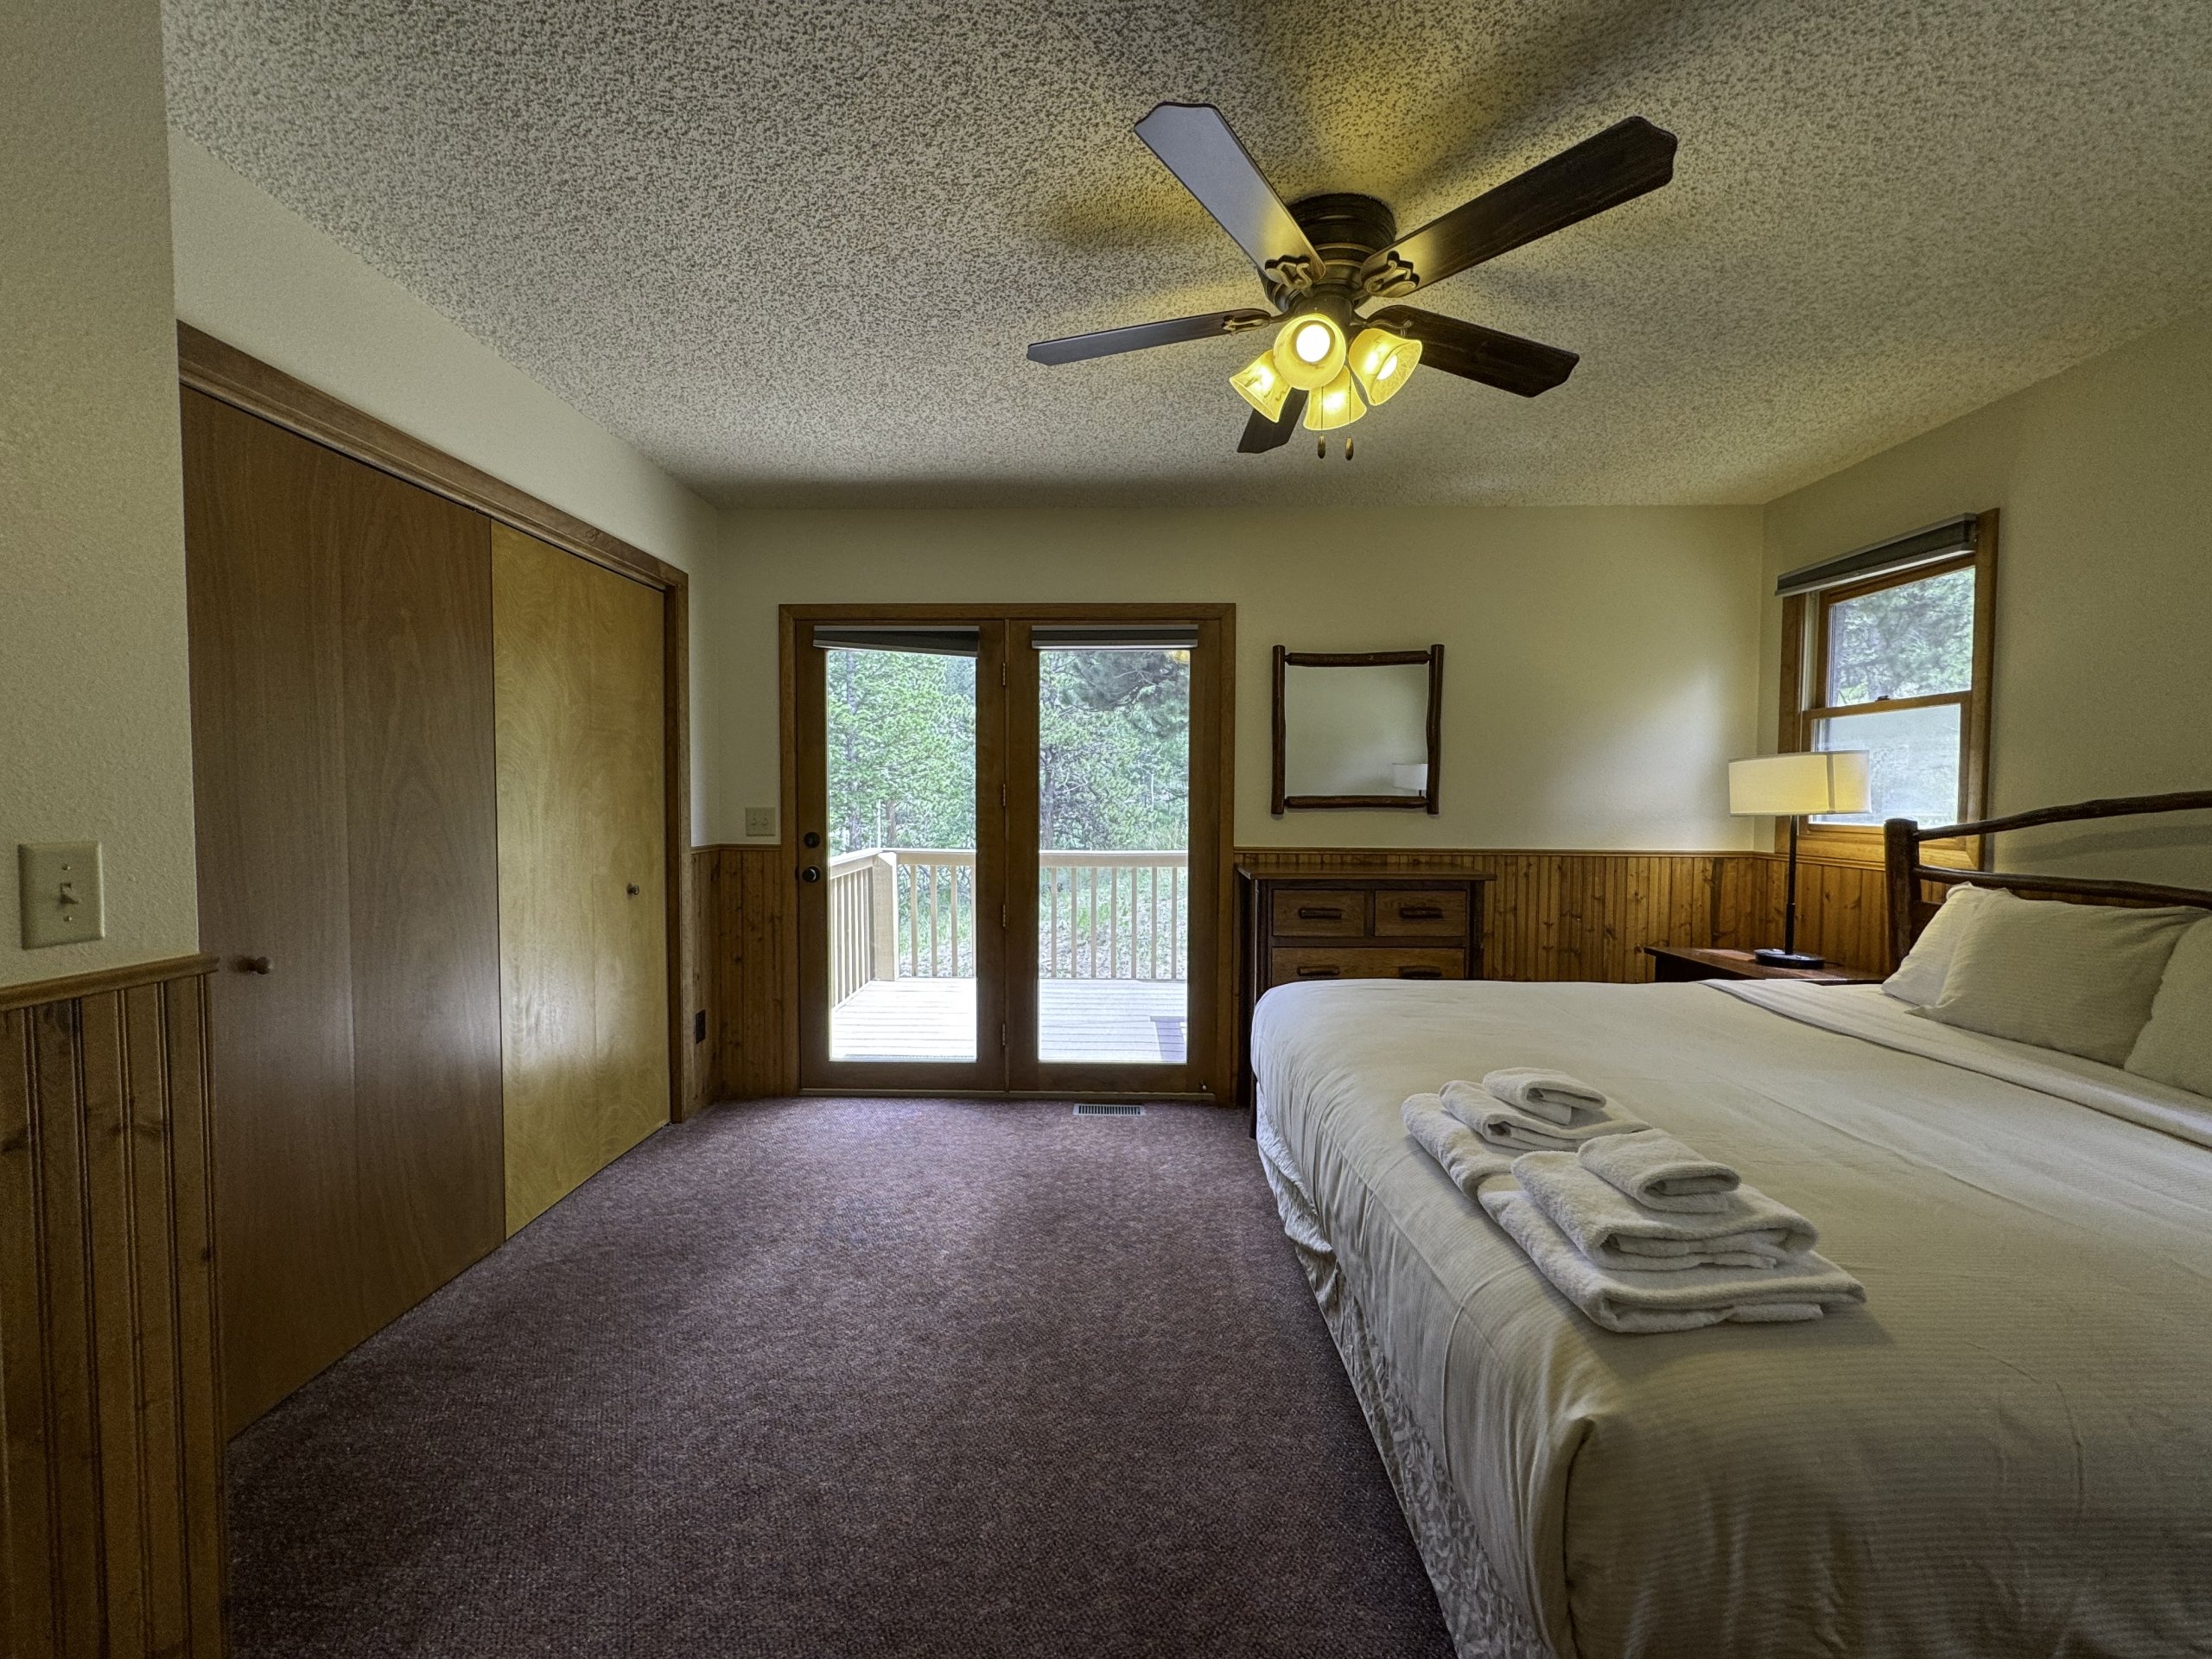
(1322, 258)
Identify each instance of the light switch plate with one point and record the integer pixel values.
(60, 892)
(759, 820)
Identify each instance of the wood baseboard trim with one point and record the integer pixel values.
(38, 992)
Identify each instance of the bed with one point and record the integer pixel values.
(2008, 1450)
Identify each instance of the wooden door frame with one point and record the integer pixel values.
(987, 1073)
(1213, 742)
(224, 373)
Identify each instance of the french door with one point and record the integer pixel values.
(1010, 836)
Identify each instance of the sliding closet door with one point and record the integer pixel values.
(341, 683)
(582, 866)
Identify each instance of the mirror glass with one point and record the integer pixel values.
(1349, 731)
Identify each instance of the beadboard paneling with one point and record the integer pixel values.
(1547, 916)
(113, 1497)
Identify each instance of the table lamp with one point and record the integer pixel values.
(1789, 786)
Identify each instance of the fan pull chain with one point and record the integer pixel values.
(1320, 449)
(1347, 448)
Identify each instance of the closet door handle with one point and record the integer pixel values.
(634, 889)
(252, 964)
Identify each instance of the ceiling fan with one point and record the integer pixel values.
(1323, 258)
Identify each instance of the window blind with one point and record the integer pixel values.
(1094, 636)
(935, 641)
(1936, 542)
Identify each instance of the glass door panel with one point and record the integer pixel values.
(1113, 848)
(898, 977)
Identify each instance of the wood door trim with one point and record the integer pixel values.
(987, 1073)
(32, 993)
(1211, 1051)
(224, 373)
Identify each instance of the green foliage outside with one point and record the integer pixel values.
(1114, 728)
(1114, 740)
(1914, 640)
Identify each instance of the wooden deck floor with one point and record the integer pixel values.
(1123, 1021)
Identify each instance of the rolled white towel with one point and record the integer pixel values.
(1613, 1230)
(1640, 1302)
(1457, 1148)
(1660, 1172)
(1553, 1096)
(1508, 1126)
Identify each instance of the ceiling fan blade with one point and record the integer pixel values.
(1617, 165)
(1197, 146)
(1261, 435)
(1468, 349)
(1108, 341)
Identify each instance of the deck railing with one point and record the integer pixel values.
(909, 912)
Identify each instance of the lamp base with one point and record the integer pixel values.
(1787, 959)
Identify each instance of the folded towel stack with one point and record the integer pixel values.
(1529, 1110)
(1639, 1231)
(1457, 1149)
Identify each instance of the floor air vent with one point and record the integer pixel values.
(1096, 1108)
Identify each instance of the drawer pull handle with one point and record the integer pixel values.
(1319, 914)
(1421, 913)
(1317, 973)
(1420, 973)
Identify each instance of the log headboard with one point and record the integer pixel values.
(1910, 908)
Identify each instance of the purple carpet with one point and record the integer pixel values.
(848, 1378)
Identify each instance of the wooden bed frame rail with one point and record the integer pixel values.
(1906, 874)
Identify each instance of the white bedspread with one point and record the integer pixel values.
(2007, 1451)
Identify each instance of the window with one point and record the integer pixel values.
(1887, 659)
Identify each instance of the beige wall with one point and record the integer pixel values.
(2103, 648)
(1599, 661)
(253, 273)
(94, 740)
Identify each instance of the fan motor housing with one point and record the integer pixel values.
(1345, 229)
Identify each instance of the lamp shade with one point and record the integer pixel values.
(1309, 350)
(1383, 362)
(1336, 405)
(1791, 785)
(1260, 384)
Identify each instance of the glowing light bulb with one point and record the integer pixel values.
(1335, 404)
(1309, 351)
(1260, 384)
(1383, 362)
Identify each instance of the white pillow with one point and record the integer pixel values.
(1919, 977)
(2175, 1047)
(2079, 978)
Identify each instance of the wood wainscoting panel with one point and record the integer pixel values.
(1546, 916)
(753, 1017)
(583, 869)
(111, 1505)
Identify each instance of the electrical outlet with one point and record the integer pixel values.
(759, 822)
(62, 898)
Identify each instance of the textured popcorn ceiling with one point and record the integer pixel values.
(794, 252)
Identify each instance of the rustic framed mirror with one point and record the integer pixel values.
(1357, 728)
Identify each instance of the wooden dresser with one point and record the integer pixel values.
(1350, 923)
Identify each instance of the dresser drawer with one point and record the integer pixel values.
(1410, 913)
(1320, 913)
(1290, 964)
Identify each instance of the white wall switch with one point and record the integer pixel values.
(60, 892)
(759, 820)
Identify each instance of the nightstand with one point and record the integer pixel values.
(1674, 963)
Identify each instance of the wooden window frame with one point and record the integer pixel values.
(1805, 631)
